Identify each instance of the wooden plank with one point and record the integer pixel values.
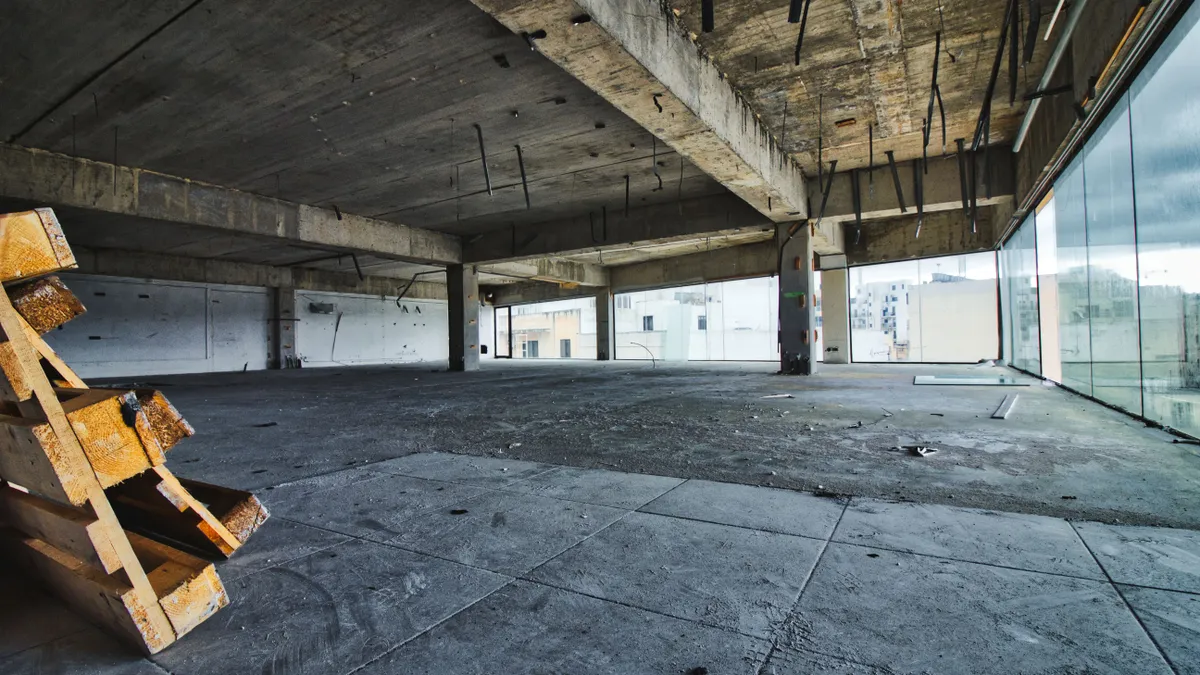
(154, 627)
(46, 303)
(13, 386)
(115, 451)
(166, 423)
(1006, 407)
(210, 525)
(32, 244)
(32, 457)
(238, 510)
(72, 530)
(188, 588)
(160, 507)
(106, 601)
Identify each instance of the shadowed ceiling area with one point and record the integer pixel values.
(368, 106)
(871, 61)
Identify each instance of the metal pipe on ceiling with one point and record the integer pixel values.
(1060, 48)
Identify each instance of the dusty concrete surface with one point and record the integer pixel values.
(704, 421)
(495, 565)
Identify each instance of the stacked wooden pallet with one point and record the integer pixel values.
(87, 503)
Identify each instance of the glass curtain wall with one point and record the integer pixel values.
(1165, 132)
(1019, 298)
(935, 310)
(563, 329)
(725, 321)
(1118, 251)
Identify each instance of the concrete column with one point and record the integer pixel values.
(462, 290)
(283, 328)
(797, 314)
(835, 316)
(605, 339)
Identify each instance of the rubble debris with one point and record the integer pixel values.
(458, 512)
(1069, 497)
(856, 425)
(1006, 407)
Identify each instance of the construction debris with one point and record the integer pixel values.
(1006, 407)
(87, 503)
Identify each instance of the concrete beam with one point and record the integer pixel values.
(638, 56)
(55, 180)
(526, 292)
(941, 188)
(138, 265)
(737, 262)
(656, 224)
(942, 233)
(552, 270)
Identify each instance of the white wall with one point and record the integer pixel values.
(369, 329)
(137, 327)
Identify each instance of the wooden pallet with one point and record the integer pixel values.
(80, 468)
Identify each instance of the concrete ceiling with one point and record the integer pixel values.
(872, 61)
(643, 252)
(366, 105)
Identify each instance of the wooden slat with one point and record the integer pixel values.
(188, 588)
(111, 604)
(32, 244)
(114, 450)
(70, 529)
(166, 423)
(31, 456)
(46, 303)
(120, 414)
(153, 627)
(157, 505)
(238, 510)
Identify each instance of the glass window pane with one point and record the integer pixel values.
(1021, 286)
(1112, 265)
(937, 310)
(1166, 166)
(502, 336)
(1074, 306)
(724, 321)
(1047, 270)
(540, 329)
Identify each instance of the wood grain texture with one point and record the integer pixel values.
(32, 244)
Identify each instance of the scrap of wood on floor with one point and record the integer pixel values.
(88, 506)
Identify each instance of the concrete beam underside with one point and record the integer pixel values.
(637, 55)
(158, 266)
(657, 224)
(55, 180)
(941, 188)
(551, 270)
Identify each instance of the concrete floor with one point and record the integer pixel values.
(439, 563)
(378, 560)
(705, 421)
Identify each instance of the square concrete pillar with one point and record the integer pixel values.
(605, 339)
(462, 292)
(797, 310)
(283, 329)
(835, 315)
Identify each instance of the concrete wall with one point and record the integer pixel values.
(135, 327)
(367, 329)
